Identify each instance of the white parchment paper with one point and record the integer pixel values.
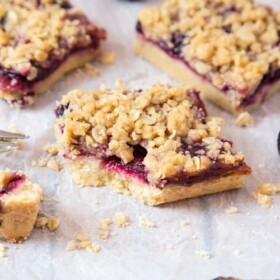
(136, 252)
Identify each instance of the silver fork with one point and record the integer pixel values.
(8, 140)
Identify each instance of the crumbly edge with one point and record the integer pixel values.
(228, 101)
(73, 62)
(90, 173)
(19, 210)
(232, 43)
(32, 31)
(158, 118)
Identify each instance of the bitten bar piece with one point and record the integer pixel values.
(40, 41)
(229, 50)
(19, 205)
(157, 144)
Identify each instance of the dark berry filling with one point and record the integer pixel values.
(15, 181)
(272, 76)
(269, 79)
(59, 110)
(136, 169)
(13, 81)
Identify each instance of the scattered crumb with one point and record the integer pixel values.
(54, 164)
(203, 254)
(104, 234)
(231, 210)
(51, 148)
(146, 223)
(2, 250)
(107, 57)
(184, 223)
(42, 162)
(104, 224)
(83, 243)
(71, 246)
(41, 222)
(82, 237)
(33, 163)
(121, 220)
(236, 252)
(169, 247)
(265, 192)
(90, 70)
(53, 223)
(244, 120)
(194, 237)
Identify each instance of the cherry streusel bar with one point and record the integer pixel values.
(157, 144)
(40, 41)
(229, 50)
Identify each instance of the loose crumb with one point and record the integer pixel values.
(2, 250)
(104, 234)
(107, 57)
(104, 224)
(41, 222)
(51, 148)
(121, 220)
(146, 223)
(236, 252)
(203, 254)
(169, 247)
(83, 243)
(244, 120)
(90, 70)
(82, 237)
(184, 223)
(53, 223)
(194, 237)
(231, 210)
(54, 165)
(265, 192)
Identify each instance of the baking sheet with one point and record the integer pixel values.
(137, 252)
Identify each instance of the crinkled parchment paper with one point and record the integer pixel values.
(245, 244)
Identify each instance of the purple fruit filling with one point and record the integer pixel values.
(136, 169)
(259, 94)
(13, 81)
(15, 181)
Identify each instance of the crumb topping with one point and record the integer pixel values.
(244, 120)
(33, 33)
(265, 192)
(162, 119)
(234, 43)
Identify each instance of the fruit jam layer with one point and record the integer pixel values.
(136, 169)
(14, 182)
(247, 99)
(13, 81)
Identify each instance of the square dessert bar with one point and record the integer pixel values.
(40, 41)
(229, 50)
(157, 144)
(19, 205)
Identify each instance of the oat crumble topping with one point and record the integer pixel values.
(265, 192)
(34, 32)
(232, 42)
(162, 119)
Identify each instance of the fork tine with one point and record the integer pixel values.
(4, 135)
(5, 144)
(5, 149)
